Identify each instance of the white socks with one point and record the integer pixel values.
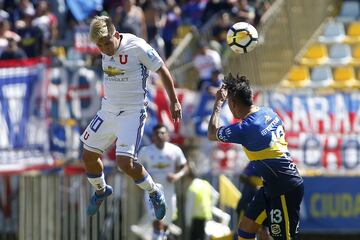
(97, 181)
(147, 183)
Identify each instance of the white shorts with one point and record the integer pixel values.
(126, 127)
(171, 210)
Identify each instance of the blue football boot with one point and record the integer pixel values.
(158, 201)
(96, 200)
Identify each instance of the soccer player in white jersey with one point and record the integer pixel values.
(126, 61)
(167, 164)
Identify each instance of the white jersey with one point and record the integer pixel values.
(126, 72)
(206, 63)
(161, 162)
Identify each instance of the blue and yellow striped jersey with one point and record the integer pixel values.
(262, 135)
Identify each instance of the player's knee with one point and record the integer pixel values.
(90, 157)
(248, 225)
(126, 164)
(157, 225)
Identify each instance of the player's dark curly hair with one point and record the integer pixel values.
(239, 89)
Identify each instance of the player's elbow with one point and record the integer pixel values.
(211, 135)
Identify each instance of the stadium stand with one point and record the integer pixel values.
(315, 55)
(349, 12)
(298, 77)
(333, 32)
(321, 76)
(339, 54)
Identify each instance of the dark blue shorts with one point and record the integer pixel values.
(281, 214)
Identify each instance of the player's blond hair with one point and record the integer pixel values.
(101, 26)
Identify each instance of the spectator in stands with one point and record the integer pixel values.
(154, 19)
(19, 11)
(261, 7)
(31, 36)
(130, 18)
(47, 22)
(205, 62)
(192, 12)
(244, 12)
(172, 22)
(219, 33)
(213, 85)
(12, 51)
(215, 6)
(6, 33)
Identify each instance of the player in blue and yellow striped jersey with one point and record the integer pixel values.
(261, 133)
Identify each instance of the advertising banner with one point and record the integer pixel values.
(331, 204)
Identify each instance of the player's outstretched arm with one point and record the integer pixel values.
(215, 116)
(175, 107)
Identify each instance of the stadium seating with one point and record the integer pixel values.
(344, 77)
(339, 54)
(355, 61)
(321, 76)
(333, 32)
(332, 60)
(316, 54)
(350, 11)
(353, 33)
(297, 77)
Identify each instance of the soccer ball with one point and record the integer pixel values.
(242, 37)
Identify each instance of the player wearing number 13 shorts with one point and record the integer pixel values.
(262, 136)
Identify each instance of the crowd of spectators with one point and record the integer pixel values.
(33, 28)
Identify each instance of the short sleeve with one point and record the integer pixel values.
(232, 134)
(148, 56)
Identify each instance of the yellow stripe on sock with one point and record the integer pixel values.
(286, 217)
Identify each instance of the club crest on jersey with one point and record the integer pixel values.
(123, 59)
(150, 54)
(267, 118)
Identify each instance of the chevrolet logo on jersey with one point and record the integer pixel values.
(161, 165)
(112, 71)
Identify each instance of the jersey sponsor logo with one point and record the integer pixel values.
(267, 118)
(117, 79)
(123, 59)
(112, 71)
(161, 165)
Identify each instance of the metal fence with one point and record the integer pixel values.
(53, 207)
